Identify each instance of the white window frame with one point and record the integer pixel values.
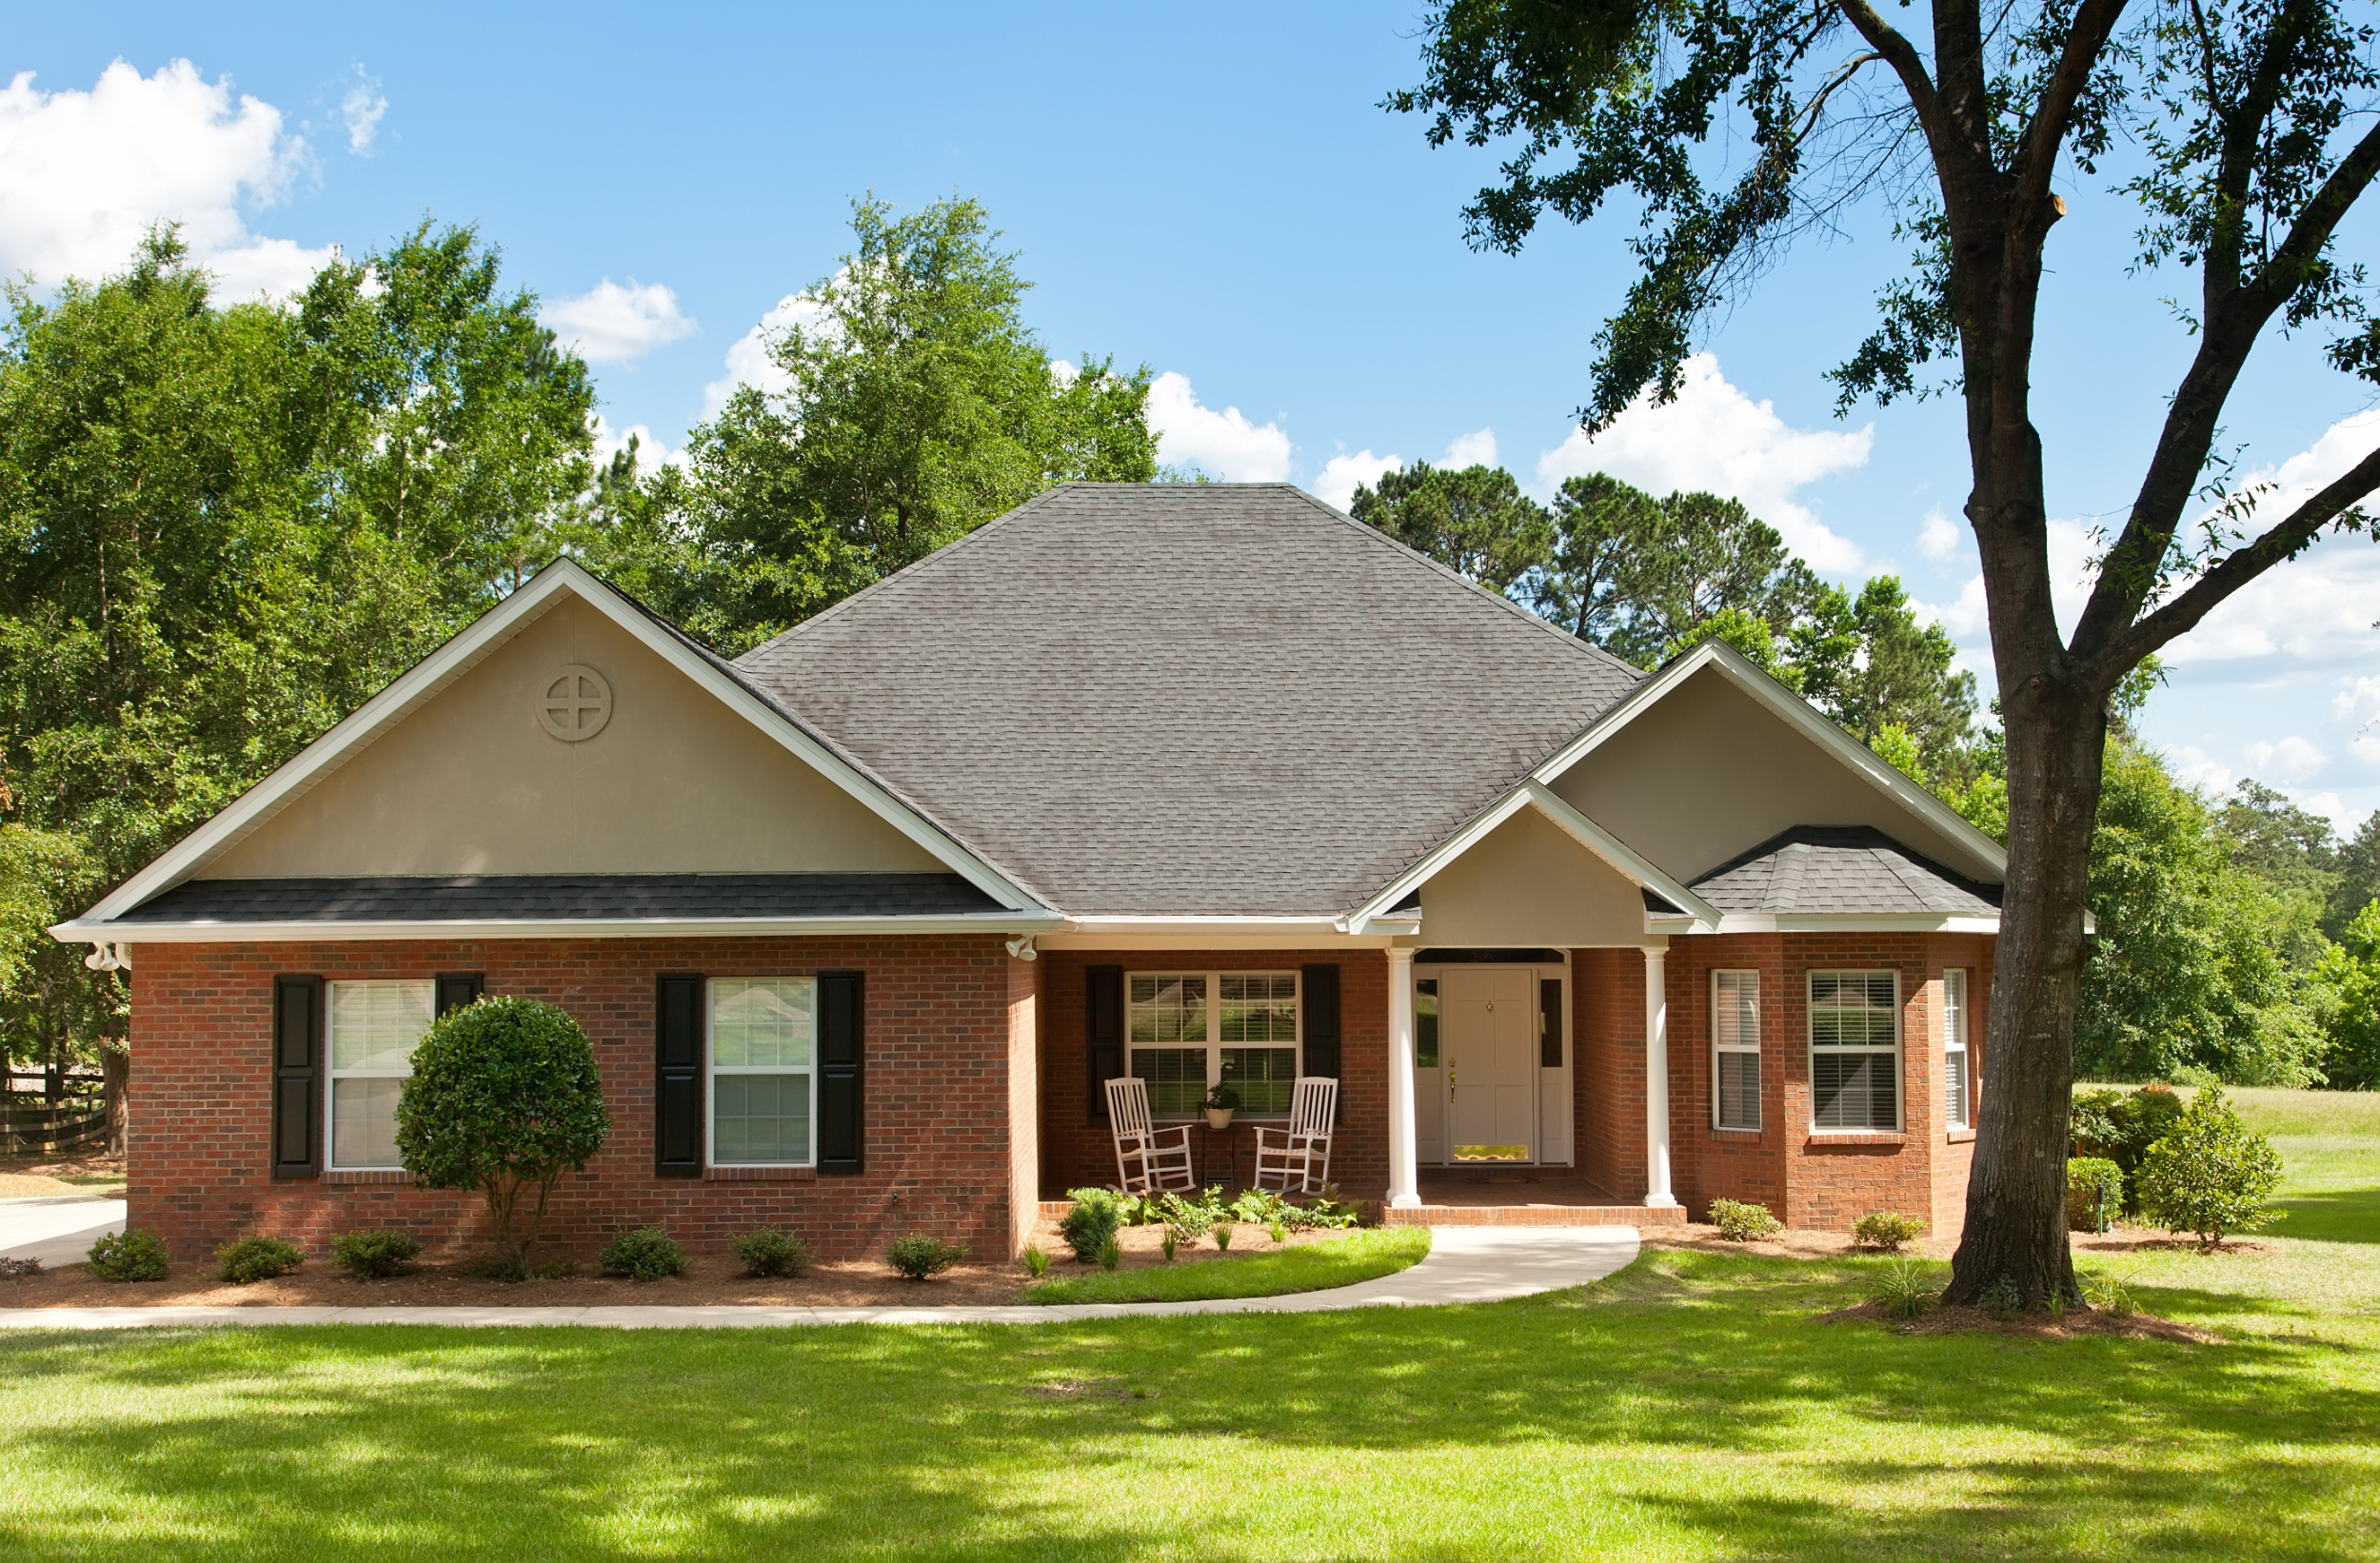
(1215, 1043)
(711, 1070)
(332, 1075)
(1955, 999)
(1720, 1048)
(1809, 1008)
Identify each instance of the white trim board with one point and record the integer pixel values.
(991, 924)
(456, 658)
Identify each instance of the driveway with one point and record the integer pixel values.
(57, 1229)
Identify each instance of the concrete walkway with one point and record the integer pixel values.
(57, 1229)
(1465, 1264)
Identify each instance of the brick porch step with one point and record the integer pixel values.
(1528, 1215)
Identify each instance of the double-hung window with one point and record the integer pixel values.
(1855, 1050)
(1955, 1087)
(1191, 1030)
(373, 1029)
(1736, 1050)
(763, 1082)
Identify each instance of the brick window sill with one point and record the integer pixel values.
(1960, 1137)
(1827, 1142)
(1739, 1137)
(375, 1175)
(760, 1175)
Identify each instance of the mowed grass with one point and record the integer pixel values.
(1309, 1267)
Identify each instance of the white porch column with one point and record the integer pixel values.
(1657, 1192)
(1405, 1168)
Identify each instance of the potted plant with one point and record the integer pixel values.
(1221, 1103)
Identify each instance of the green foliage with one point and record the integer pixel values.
(2293, 851)
(2109, 1295)
(1475, 520)
(1036, 1261)
(1111, 1253)
(646, 1253)
(256, 1258)
(1309, 1267)
(2120, 1126)
(1257, 1207)
(1741, 1222)
(503, 1097)
(1222, 1234)
(1190, 1220)
(2359, 884)
(2094, 1193)
(131, 1255)
(1224, 1098)
(2349, 975)
(1885, 1230)
(1170, 1243)
(1091, 1224)
(1868, 662)
(1323, 1215)
(920, 1256)
(374, 1256)
(2210, 1174)
(771, 1253)
(1906, 1288)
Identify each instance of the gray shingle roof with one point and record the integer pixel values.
(1161, 699)
(563, 897)
(1827, 868)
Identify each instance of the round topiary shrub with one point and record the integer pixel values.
(374, 1256)
(130, 1255)
(918, 1256)
(1884, 1229)
(771, 1253)
(646, 1254)
(257, 1259)
(503, 1097)
(1092, 1222)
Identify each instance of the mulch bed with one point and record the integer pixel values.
(715, 1279)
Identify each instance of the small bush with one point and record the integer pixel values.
(2108, 1296)
(771, 1253)
(645, 1254)
(1739, 1222)
(257, 1259)
(918, 1256)
(19, 1267)
(1326, 1213)
(2119, 1126)
(1111, 1253)
(2210, 1174)
(128, 1255)
(554, 1270)
(374, 1256)
(2094, 1193)
(1092, 1223)
(1884, 1229)
(1905, 1290)
(1191, 1219)
(1257, 1207)
(1036, 1263)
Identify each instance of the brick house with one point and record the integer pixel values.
(1206, 783)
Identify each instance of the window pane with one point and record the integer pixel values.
(1955, 1088)
(759, 1118)
(375, 1025)
(1260, 1007)
(761, 1023)
(1737, 1009)
(364, 1121)
(1168, 1009)
(1853, 1090)
(1425, 1023)
(1175, 1077)
(1740, 1090)
(1264, 1077)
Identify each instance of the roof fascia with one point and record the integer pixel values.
(87, 931)
(457, 657)
(1740, 670)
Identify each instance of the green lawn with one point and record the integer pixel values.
(1309, 1267)
(1692, 1405)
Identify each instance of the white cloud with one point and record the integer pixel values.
(1473, 449)
(362, 110)
(650, 452)
(2357, 701)
(1336, 486)
(2292, 759)
(1714, 438)
(2194, 767)
(609, 324)
(1937, 537)
(750, 361)
(83, 175)
(1225, 445)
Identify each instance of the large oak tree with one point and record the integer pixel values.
(2243, 130)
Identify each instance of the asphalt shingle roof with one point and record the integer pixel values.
(562, 897)
(1826, 869)
(1184, 698)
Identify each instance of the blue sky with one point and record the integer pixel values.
(1211, 191)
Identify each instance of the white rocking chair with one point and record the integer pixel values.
(1148, 1159)
(1298, 1159)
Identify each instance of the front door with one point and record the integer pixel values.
(1488, 1041)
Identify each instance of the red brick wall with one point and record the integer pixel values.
(1709, 1164)
(942, 1018)
(1075, 1152)
(1607, 1068)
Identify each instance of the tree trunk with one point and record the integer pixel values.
(2016, 1246)
(115, 1066)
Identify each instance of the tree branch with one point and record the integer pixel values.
(2236, 570)
(1902, 56)
(2093, 26)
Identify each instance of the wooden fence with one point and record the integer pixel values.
(29, 1126)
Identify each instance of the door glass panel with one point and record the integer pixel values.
(1425, 1023)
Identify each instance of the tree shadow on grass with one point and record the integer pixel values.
(2340, 1216)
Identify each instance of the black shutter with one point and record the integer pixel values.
(1550, 1022)
(297, 1099)
(459, 989)
(842, 1058)
(678, 1085)
(1319, 998)
(1103, 1034)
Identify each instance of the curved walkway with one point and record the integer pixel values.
(1465, 1264)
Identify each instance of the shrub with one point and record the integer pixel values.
(1885, 1230)
(554, 1270)
(1905, 1289)
(1257, 1207)
(2094, 1193)
(769, 1252)
(645, 1254)
(1739, 1222)
(1036, 1263)
(1326, 1212)
(374, 1256)
(2210, 1174)
(2120, 1126)
(1191, 1219)
(1091, 1225)
(257, 1259)
(128, 1255)
(1111, 1253)
(919, 1255)
(503, 1097)
(19, 1267)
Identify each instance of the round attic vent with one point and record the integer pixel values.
(575, 704)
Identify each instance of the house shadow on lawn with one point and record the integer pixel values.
(2339, 1215)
